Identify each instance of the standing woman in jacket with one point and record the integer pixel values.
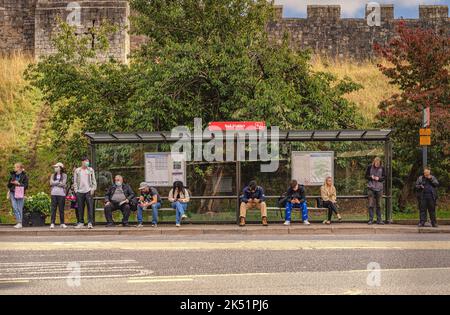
(329, 198)
(375, 176)
(58, 182)
(17, 186)
(179, 197)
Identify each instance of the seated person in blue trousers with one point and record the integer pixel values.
(149, 198)
(296, 198)
(179, 197)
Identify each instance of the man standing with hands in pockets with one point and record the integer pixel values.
(426, 187)
(85, 184)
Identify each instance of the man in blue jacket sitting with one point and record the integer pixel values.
(253, 197)
(296, 198)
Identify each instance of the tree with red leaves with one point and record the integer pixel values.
(419, 65)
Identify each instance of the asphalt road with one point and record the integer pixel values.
(221, 264)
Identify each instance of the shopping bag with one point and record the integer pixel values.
(19, 192)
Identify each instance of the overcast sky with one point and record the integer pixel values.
(355, 8)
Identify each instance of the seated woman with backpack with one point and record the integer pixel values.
(179, 198)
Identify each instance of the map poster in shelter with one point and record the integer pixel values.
(162, 169)
(312, 168)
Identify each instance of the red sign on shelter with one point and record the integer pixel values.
(237, 125)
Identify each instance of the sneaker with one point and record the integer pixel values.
(242, 221)
(52, 226)
(140, 225)
(370, 222)
(79, 226)
(18, 226)
(63, 226)
(109, 225)
(326, 222)
(178, 225)
(124, 225)
(90, 226)
(306, 222)
(183, 217)
(264, 221)
(339, 217)
(287, 223)
(435, 225)
(380, 222)
(154, 225)
(421, 225)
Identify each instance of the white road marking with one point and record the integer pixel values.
(285, 245)
(160, 280)
(57, 270)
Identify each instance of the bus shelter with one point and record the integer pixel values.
(216, 186)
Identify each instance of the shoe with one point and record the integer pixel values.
(79, 225)
(90, 226)
(264, 221)
(183, 217)
(380, 222)
(370, 222)
(421, 225)
(154, 225)
(52, 226)
(124, 225)
(287, 223)
(326, 222)
(140, 225)
(63, 226)
(339, 217)
(178, 225)
(306, 222)
(18, 226)
(242, 221)
(109, 225)
(435, 225)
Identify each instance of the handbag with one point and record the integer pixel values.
(19, 192)
(282, 200)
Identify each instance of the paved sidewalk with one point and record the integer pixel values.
(191, 229)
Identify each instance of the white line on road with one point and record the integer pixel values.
(160, 280)
(279, 273)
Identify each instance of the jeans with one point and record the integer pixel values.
(375, 202)
(155, 208)
(82, 200)
(113, 206)
(290, 205)
(58, 202)
(331, 206)
(180, 208)
(17, 205)
(427, 203)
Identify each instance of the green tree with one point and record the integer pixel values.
(420, 62)
(207, 59)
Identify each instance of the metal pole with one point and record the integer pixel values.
(388, 180)
(94, 164)
(238, 188)
(425, 124)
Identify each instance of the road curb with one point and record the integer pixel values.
(340, 229)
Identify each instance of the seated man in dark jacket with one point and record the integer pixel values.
(296, 198)
(427, 194)
(253, 197)
(118, 197)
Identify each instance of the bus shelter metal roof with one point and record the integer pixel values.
(291, 135)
